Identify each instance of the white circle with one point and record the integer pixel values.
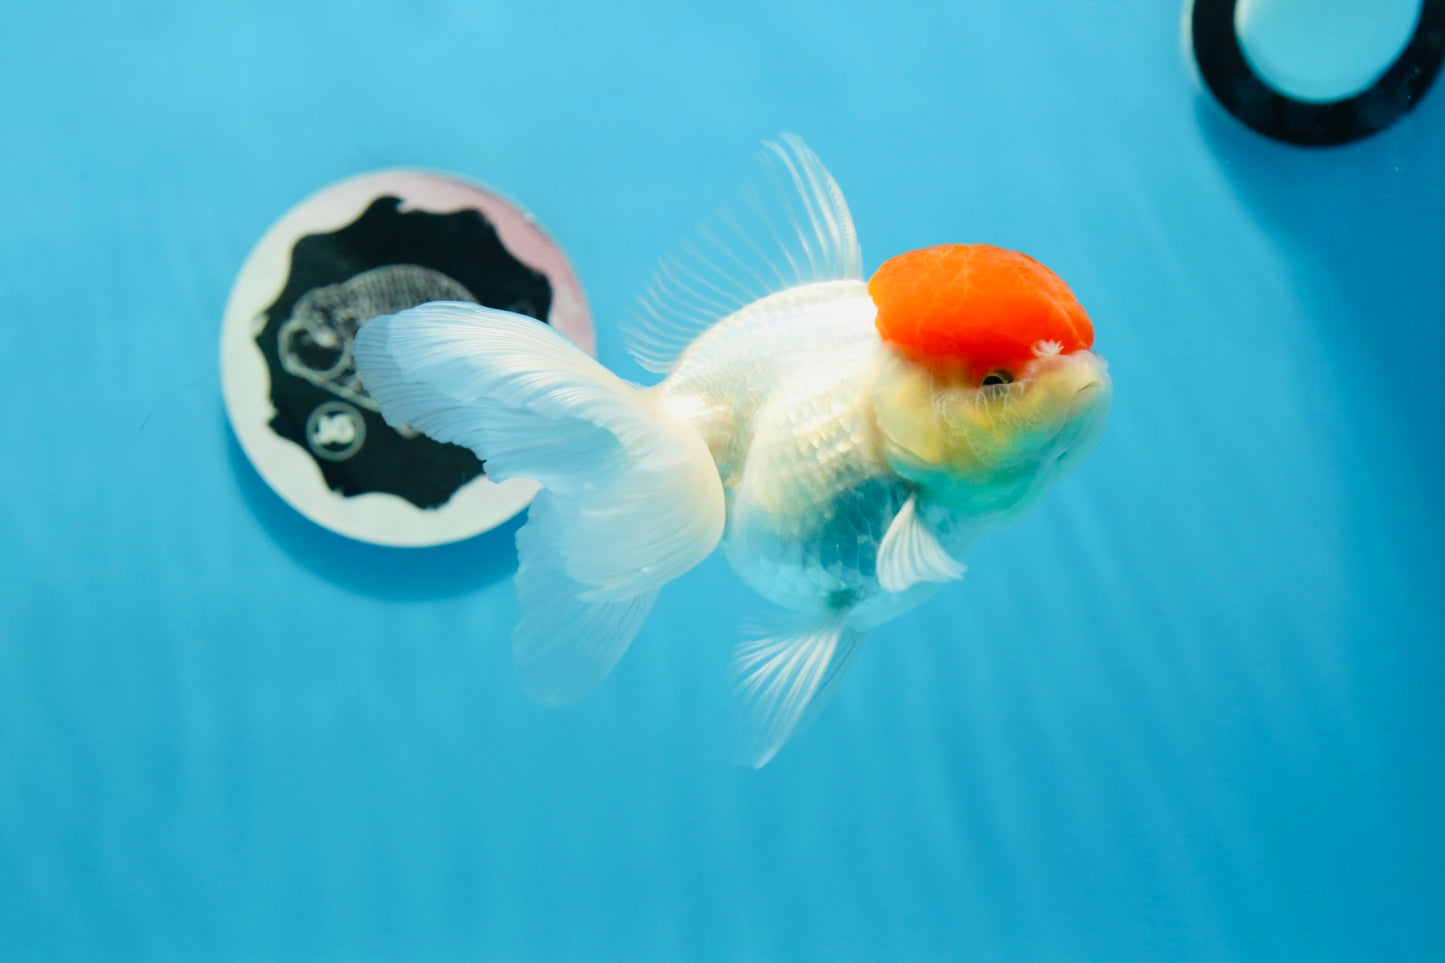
(290, 469)
(1324, 50)
(335, 430)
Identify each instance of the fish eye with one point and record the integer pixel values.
(999, 377)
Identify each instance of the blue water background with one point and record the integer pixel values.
(1189, 709)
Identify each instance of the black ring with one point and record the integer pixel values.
(1233, 82)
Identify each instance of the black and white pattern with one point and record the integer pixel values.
(385, 261)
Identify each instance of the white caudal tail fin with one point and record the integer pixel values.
(631, 496)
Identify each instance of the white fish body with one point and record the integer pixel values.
(779, 391)
(765, 437)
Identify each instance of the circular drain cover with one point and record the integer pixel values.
(1302, 63)
(369, 246)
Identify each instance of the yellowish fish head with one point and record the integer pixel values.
(987, 389)
(990, 450)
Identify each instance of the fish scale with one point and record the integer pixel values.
(810, 494)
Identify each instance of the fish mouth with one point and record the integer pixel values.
(1084, 397)
(1084, 421)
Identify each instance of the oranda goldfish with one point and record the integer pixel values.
(845, 441)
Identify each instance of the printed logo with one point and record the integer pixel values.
(367, 247)
(385, 261)
(335, 431)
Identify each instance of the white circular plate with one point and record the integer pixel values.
(371, 245)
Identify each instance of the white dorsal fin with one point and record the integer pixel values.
(911, 553)
(790, 226)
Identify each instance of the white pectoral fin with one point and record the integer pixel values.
(911, 552)
(785, 679)
(791, 226)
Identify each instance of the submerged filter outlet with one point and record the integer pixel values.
(1317, 72)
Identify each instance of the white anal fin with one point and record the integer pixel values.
(790, 227)
(785, 679)
(911, 553)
